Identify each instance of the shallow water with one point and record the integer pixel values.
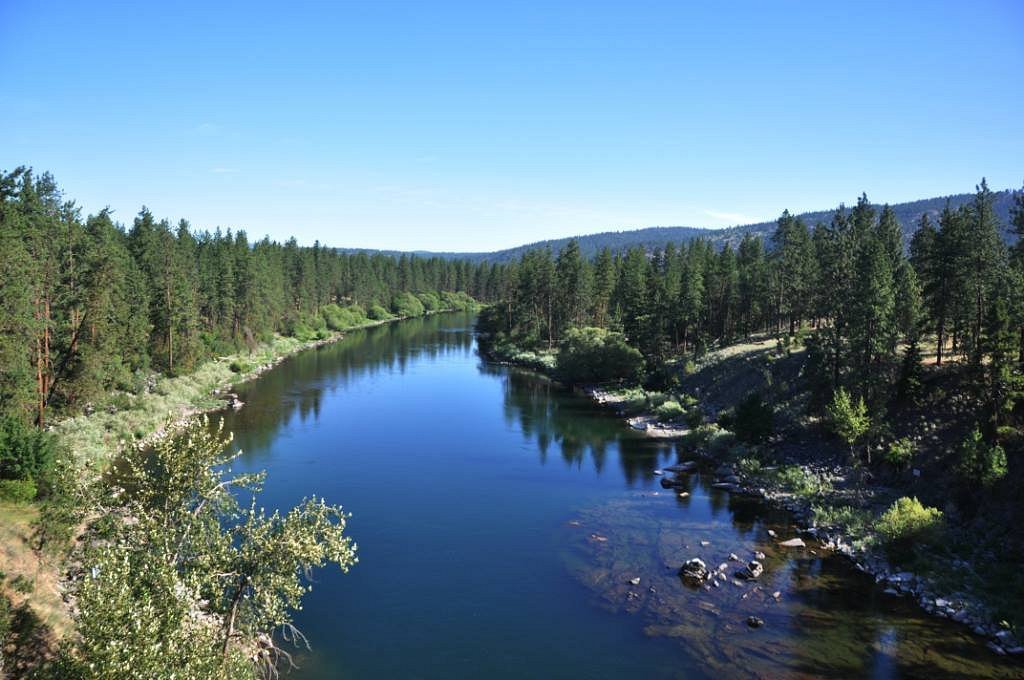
(480, 497)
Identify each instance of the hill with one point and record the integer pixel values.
(650, 238)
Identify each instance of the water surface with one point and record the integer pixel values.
(500, 520)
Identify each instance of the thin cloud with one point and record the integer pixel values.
(730, 217)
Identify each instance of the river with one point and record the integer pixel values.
(500, 521)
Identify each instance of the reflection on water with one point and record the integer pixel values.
(493, 509)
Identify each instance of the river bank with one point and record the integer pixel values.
(834, 504)
(96, 439)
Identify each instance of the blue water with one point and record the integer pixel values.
(475, 492)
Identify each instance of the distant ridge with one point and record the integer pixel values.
(650, 238)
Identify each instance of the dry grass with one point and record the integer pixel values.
(18, 558)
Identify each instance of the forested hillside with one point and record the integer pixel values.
(908, 215)
(851, 352)
(87, 304)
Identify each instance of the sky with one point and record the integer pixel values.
(481, 125)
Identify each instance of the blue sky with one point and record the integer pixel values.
(481, 125)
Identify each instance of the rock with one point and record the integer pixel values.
(793, 543)
(705, 544)
(723, 471)
(751, 571)
(658, 472)
(732, 479)
(939, 602)
(726, 486)
(694, 571)
(733, 557)
(771, 532)
(684, 494)
(755, 622)
(758, 555)
(1016, 651)
(777, 595)
(666, 483)
(891, 591)
(996, 648)
(681, 467)
(635, 581)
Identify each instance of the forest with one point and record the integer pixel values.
(901, 363)
(181, 578)
(87, 303)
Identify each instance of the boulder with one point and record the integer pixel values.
(694, 571)
(793, 543)
(635, 581)
(752, 571)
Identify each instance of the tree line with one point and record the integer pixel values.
(859, 297)
(86, 302)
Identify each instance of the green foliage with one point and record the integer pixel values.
(378, 313)
(849, 419)
(753, 419)
(594, 355)
(17, 490)
(23, 584)
(26, 453)
(239, 366)
(669, 410)
(856, 522)
(907, 523)
(979, 463)
(194, 584)
(799, 481)
(900, 453)
(407, 304)
(344, 318)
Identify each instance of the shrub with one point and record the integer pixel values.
(22, 584)
(980, 464)
(407, 304)
(849, 419)
(239, 366)
(430, 302)
(908, 523)
(900, 453)
(749, 467)
(800, 481)
(694, 417)
(752, 420)
(17, 490)
(597, 355)
(26, 453)
(378, 313)
(343, 318)
(669, 410)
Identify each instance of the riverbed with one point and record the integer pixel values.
(510, 528)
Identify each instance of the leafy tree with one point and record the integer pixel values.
(595, 355)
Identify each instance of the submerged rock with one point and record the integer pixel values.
(752, 571)
(694, 571)
(755, 622)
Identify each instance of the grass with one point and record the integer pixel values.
(97, 437)
(31, 577)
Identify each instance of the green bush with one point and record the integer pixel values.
(594, 355)
(407, 304)
(22, 584)
(849, 419)
(669, 410)
(17, 490)
(378, 313)
(981, 464)
(239, 366)
(900, 453)
(26, 453)
(343, 318)
(430, 302)
(752, 419)
(908, 523)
